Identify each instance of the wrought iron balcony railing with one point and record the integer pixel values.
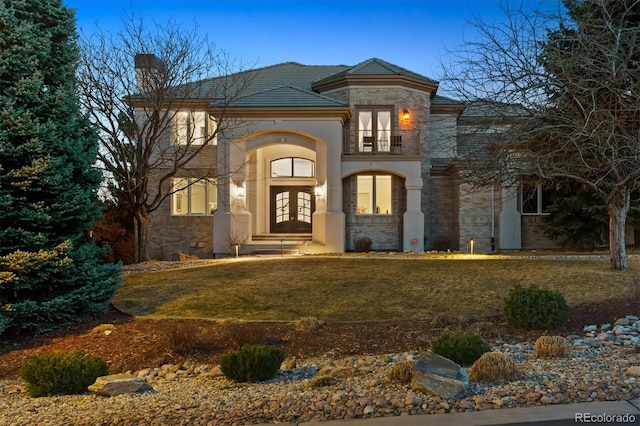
(381, 142)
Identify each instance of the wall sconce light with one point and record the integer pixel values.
(319, 190)
(406, 115)
(240, 191)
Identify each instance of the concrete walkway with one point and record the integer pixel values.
(594, 413)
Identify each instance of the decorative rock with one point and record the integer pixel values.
(622, 321)
(368, 410)
(13, 389)
(117, 384)
(634, 371)
(440, 376)
(590, 328)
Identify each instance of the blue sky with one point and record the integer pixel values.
(410, 33)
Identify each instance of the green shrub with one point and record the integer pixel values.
(62, 372)
(252, 363)
(363, 244)
(462, 348)
(534, 308)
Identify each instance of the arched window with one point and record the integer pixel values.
(292, 167)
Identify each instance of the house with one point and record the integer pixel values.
(328, 155)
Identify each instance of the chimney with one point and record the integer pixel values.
(147, 66)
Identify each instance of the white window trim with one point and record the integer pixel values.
(187, 201)
(210, 129)
(539, 212)
(374, 194)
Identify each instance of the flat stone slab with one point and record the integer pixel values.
(117, 384)
(440, 376)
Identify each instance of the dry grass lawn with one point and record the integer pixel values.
(358, 288)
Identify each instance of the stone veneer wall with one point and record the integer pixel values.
(533, 233)
(171, 235)
(400, 98)
(475, 218)
(385, 231)
(441, 212)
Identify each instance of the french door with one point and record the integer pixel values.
(291, 209)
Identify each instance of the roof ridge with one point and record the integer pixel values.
(380, 62)
(297, 89)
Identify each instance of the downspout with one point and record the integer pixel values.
(493, 222)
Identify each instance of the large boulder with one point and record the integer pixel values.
(116, 384)
(437, 375)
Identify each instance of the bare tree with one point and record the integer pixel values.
(573, 74)
(142, 89)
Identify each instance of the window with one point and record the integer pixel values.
(194, 128)
(374, 129)
(292, 167)
(192, 197)
(534, 199)
(374, 194)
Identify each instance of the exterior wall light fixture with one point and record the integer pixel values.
(406, 115)
(240, 191)
(319, 190)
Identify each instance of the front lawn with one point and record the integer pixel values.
(357, 288)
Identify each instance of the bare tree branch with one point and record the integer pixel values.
(140, 86)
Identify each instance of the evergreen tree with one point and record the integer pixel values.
(51, 272)
(578, 218)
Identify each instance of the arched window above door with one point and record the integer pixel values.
(292, 167)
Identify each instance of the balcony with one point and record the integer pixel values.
(381, 143)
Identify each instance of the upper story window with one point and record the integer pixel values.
(534, 199)
(292, 167)
(374, 129)
(374, 194)
(193, 197)
(194, 128)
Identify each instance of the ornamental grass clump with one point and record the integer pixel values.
(552, 347)
(534, 308)
(401, 373)
(461, 348)
(494, 366)
(62, 372)
(252, 363)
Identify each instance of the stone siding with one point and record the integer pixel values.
(414, 131)
(475, 218)
(533, 237)
(385, 231)
(170, 235)
(440, 201)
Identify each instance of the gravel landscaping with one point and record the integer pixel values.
(603, 366)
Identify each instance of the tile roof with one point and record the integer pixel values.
(290, 84)
(378, 67)
(287, 96)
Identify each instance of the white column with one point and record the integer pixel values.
(510, 220)
(413, 229)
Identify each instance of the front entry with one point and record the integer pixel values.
(291, 209)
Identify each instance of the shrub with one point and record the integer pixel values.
(534, 308)
(401, 373)
(363, 244)
(309, 324)
(461, 348)
(494, 366)
(184, 339)
(62, 372)
(240, 333)
(552, 347)
(252, 363)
